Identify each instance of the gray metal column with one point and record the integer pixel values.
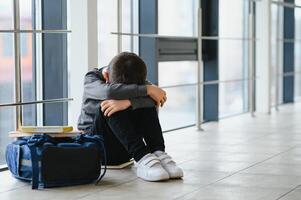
(288, 53)
(200, 76)
(210, 58)
(148, 23)
(251, 58)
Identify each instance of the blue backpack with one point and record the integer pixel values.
(52, 162)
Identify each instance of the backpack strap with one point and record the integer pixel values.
(101, 142)
(33, 142)
(35, 166)
(105, 164)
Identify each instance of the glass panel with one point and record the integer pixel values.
(298, 52)
(130, 25)
(107, 23)
(298, 3)
(178, 17)
(175, 73)
(231, 23)
(6, 14)
(26, 14)
(28, 79)
(231, 98)
(179, 109)
(55, 78)
(233, 64)
(7, 74)
(126, 25)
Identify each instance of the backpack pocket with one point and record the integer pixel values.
(12, 156)
(67, 164)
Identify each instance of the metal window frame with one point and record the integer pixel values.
(210, 52)
(148, 24)
(17, 57)
(18, 84)
(184, 48)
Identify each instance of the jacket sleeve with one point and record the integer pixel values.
(147, 82)
(142, 102)
(97, 89)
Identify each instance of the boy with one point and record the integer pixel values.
(129, 112)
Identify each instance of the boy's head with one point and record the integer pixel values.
(127, 68)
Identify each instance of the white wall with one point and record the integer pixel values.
(82, 53)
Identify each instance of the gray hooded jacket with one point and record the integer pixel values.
(96, 90)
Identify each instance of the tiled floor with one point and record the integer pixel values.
(238, 158)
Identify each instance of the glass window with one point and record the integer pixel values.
(107, 23)
(28, 78)
(27, 64)
(7, 49)
(29, 58)
(6, 75)
(6, 14)
(233, 57)
(7, 114)
(179, 111)
(130, 25)
(183, 72)
(26, 14)
(177, 17)
(297, 2)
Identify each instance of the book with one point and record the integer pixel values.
(121, 166)
(18, 134)
(45, 129)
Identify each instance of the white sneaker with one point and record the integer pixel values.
(169, 165)
(149, 168)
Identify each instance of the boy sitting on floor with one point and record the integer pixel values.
(129, 111)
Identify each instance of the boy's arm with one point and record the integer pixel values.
(95, 88)
(142, 102)
(147, 82)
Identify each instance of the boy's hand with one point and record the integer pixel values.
(157, 94)
(109, 107)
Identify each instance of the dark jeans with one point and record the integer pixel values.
(138, 131)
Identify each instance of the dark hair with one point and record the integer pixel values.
(127, 68)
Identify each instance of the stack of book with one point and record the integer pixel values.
(54, 131)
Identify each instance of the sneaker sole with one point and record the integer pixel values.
(153, 179)
(176, 177)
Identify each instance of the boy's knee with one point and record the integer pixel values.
(149, 110)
